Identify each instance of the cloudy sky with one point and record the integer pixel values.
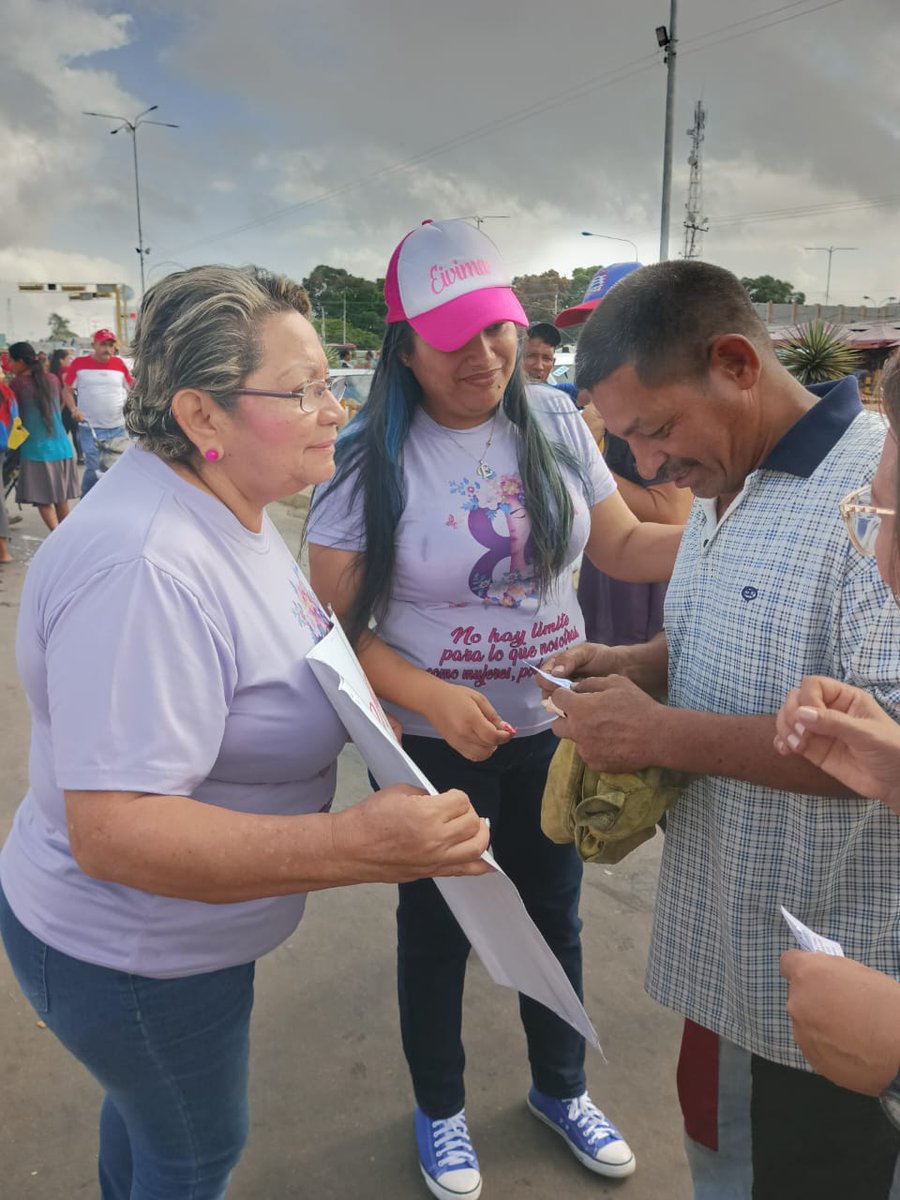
(322, 130)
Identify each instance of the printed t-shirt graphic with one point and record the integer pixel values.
(464, 603)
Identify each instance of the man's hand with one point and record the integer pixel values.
(846, 1019)
(585, 661)
(468, 722)
(613, 724)
(844, 732)
(400, 834)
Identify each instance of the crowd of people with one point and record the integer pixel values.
(168, 843)
(60, 434)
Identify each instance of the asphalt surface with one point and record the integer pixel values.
(331, 1101)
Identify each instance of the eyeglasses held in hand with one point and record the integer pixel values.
(310, 397)
(863, 519)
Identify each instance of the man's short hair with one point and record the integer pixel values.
(662, 320)
(544, 332)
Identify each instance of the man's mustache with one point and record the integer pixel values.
(673, 470)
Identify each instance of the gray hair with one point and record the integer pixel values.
(199, 328)
(662, 320)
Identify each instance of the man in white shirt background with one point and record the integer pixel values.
(100, 382)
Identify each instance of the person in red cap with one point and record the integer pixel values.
(99, 381)
(461, 501)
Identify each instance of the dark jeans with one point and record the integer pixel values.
(813, 1140)
(432, 949)
(757, 1130)
(170, 1054)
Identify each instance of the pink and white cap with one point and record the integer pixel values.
(447, 279)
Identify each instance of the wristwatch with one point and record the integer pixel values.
(890, 1101)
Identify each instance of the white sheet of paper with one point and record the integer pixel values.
(488, 907)
(808, 939)
(558, 680)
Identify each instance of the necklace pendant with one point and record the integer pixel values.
(485, 471)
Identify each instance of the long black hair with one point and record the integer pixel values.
(56, 359)
(24, 352)
(371, 450)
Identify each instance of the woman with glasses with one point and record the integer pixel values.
(183, 756)
(846, 1016)
(461, 503)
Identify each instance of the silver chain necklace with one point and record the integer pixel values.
(482, 470)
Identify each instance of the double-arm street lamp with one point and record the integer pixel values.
(610, 238)
(830, 251)
(132, 126)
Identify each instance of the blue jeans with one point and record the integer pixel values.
(432, 949)
(171, 1055)
(88, 440)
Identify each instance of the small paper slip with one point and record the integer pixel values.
(557, 679)
(808, 940)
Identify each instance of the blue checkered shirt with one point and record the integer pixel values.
(773, 593)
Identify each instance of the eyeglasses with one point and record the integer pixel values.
(310, 397)
(863, 519)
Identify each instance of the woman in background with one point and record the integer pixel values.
(60, 361)
(47, 475)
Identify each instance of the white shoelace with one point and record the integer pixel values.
(591, 1121)
(452, 1144)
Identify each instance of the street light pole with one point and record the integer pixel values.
(479, 221)
(830, 251)
(667, 40)
(132, 127)
(137, 197)
(609, 237)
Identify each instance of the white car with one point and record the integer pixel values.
(356, 392)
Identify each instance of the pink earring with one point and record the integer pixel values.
(212, 455)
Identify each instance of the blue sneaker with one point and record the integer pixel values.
(447, 1158)
(594, 1140)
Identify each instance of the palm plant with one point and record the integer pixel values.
(817, 352)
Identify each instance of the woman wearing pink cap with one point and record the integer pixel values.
(460, 504)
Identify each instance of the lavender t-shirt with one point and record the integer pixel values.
(163, 649)
(464, 604)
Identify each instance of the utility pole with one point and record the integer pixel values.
(344, 330)
(695, 224)
(667, 39)
(830, 251)
(132, 126)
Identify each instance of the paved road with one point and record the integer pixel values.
(331, 1099)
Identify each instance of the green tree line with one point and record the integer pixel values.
(343, 301)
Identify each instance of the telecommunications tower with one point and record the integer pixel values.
(695, 223)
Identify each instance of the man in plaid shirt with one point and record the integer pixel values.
(766, 589)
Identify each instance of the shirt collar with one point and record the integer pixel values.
(807, 443)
